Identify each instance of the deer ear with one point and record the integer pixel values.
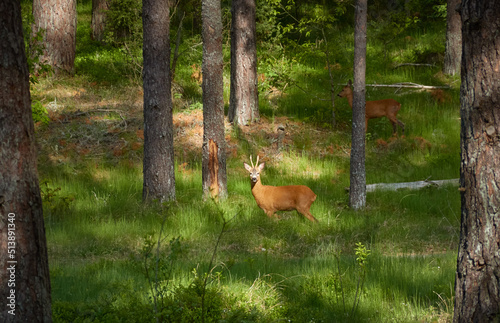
(247, 167)
(349, 83)
(261, 166)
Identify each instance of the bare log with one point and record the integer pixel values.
(411, 185)
(410, 85)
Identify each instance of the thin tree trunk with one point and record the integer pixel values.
(158, 164)
(214, 178)
(244, 99)
(24, 270)
(98, 22)
(357, 196)
(453, 52)
(477, 288)
(57, 19)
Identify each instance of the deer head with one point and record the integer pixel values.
(254, 171)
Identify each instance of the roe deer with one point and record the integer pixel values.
(376, 109)
(197, 75)
(280, 198)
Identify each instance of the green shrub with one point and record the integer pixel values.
(39, 112)
(124, 23)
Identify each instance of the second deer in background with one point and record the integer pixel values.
(376, 109)
(280, 198)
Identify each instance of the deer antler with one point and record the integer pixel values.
(256, 163)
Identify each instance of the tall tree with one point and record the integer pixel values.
(24, 270)
(57, 20)
(453, 52)
(98, 21)
(477, 289)
(214, 176)
(357, 193)
(244, 98)
(158, 163)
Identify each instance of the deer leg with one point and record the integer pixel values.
(366, 124)
(307, 214)
(394, 121)
(269, 214)
(402, 125)
(394, 128)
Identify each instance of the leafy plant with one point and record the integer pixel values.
(39, 112)
(361, 261)
(52, 199)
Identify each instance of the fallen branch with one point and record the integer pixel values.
(410, 85)
(410, 185)
(414, 64)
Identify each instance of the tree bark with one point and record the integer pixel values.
(57, 19)
(214, 178)
(98, 22)
(357, 196)
(158, 163)
(244, 98)
(24, 270)
(453, 52)
(477, 289)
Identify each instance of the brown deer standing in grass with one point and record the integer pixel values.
(376, 109)
(280, 198)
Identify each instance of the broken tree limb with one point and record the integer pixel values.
(411, 185)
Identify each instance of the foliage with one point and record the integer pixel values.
(124, 23)
(34, 47)
(39, 112)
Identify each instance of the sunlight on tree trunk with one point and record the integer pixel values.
(57, 19)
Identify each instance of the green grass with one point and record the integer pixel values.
(280, 269)
(264, 270)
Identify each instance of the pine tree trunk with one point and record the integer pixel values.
(57, 19)
(357, 192)
(244, 98)
(477, 288)
(24, 270)
(214, 176)
(453, 53)
(98, 22)
(158, 163)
